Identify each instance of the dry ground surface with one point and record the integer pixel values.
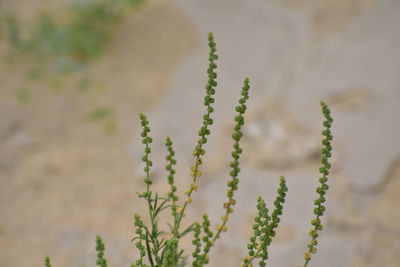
(63, 180)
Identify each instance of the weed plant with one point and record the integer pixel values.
(161, 247)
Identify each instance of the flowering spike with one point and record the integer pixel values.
(204, 131)
(171, 255)
(233, 184)
(47, 262)
(140, 240)
(100, 248)
(146, 140)
(321, 190)
(171, 172)
(264, 227)
(198, 259)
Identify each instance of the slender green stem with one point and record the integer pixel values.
(204, 129)
(322, 189)
(171, 181)
(237, 151)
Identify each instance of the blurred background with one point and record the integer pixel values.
(74, 75)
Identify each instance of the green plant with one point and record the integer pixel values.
(161, 248)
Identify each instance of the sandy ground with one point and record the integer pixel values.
(64, 180)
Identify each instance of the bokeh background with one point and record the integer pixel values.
(74, 75)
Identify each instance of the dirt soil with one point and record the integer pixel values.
(64, 179)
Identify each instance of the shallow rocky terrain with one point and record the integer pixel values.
(63, 179)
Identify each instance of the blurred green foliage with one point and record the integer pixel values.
(80, 39)
(100, 113)
(63, 42)
(23, 96)
(105, 115)
(12, 25)
(83, 84)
